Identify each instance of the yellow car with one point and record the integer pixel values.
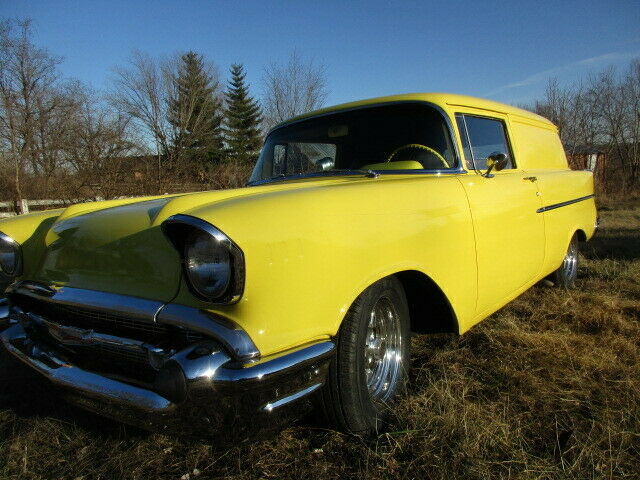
(226, 313)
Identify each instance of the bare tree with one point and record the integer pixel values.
(602, 112)
(293, 88)
(148, 91)
(615, 102)
(140, 90)
(97, 146)
(28, 81)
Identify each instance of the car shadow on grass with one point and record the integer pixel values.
(615, 244)
(24, 393)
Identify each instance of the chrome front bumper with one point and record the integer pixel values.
(203, 390)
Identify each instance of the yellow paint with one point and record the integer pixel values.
(313, 245)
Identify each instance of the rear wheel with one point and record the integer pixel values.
(565, 276)
(371, 364)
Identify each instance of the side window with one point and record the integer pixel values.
(487, 135)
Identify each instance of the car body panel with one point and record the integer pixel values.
(312, 245)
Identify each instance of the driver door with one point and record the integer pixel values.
(509, 233)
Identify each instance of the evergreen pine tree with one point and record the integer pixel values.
(243, 117)
(196, 112)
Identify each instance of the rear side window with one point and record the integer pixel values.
(482, 136)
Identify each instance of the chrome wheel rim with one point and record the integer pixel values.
(570, 263)
(383, 350)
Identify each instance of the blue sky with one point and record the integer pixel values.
(500, 50)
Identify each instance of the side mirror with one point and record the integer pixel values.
(326, 163)
(496, 161)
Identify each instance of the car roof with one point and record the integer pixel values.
(441, 99)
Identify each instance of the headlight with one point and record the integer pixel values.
(10, 261)
(213, 264)
(208, 264)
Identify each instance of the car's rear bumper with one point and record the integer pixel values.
(199, 391)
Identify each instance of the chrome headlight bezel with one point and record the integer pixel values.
(8, 243)
(181, 230)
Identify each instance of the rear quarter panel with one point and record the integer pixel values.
(561, 223)
(540, 153)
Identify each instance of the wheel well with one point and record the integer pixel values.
(429, 308)
(582, 237)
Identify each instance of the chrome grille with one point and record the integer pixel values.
(105, 357)
(101, 321)
(112, 323)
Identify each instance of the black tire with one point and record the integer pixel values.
(565, 276)
(357, 395)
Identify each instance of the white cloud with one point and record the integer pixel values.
(546, 74)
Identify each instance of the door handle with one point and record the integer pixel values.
(531, 179)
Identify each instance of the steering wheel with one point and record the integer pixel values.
(417, 146)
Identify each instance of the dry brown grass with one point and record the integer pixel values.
(547, 388)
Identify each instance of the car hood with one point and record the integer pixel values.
(119, 247)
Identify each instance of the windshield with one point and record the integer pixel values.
(402, 136)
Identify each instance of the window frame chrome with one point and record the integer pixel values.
(507, 135)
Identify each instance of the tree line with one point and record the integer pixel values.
(600, 113)
(162, 125)
(170, 125)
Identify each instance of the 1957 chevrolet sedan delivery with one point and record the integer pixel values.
(225, 313)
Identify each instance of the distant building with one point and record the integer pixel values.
(584, 157)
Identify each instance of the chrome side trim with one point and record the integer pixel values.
(564, 204)
(231, 336)
(92, 385)
(283, 401)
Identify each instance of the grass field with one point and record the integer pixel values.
(547, 388)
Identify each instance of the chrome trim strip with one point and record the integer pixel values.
(280, 363)
(231, 336)
(358, 173)
(92, 385)
(269, 407)
(564, 204)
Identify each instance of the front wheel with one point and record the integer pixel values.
(565, 276)
(372, 359)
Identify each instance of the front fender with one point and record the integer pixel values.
(309, 253)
